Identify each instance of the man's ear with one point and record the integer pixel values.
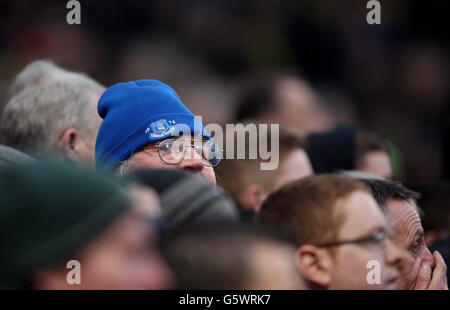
(314, 264)
(253, 197)
(66, 143)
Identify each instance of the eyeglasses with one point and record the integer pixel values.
(377, 239)
(173, 151)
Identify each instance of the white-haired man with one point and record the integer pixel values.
(52, 110)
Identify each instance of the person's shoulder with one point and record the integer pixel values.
(11, 156)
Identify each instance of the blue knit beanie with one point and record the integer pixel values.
(136, 114)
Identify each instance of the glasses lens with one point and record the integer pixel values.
(171, 151)
(379, 237)
(211, 153)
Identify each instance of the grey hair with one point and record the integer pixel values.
(124, 166)
(45, 72)
(36, 116)
(44, 101)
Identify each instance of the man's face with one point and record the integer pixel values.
(299, 108)
(407, 233)
(192, 162)
(362, 217)
(377, 163)
(295, 166)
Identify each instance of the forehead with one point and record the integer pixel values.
(403, 217)
(361, 214)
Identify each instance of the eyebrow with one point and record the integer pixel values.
(419, 233)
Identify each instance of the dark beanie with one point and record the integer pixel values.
(187, 199)
(332, 150)
(136, 114)
(48, 214)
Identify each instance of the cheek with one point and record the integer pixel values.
(411, 270)
(423, 257)
(137, 273)
(140, 272)
(359, 256)
(116, 270)
(144, 161)
(101, 270)
(353, 265)
(209, 174)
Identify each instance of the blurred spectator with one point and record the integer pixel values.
(52, 214)
(332, 150)
(338, 229)
(145, 125)
(372, 155)
(347, 148)
(186, 200)
(421, 269)
(393, 78)
(282, 98)
(232, 257)
(52, 110)
(248, 184)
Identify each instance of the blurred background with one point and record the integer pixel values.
(391, 78)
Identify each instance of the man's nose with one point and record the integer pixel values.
(192, 160)
(394, 255)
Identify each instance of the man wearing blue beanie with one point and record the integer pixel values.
(145, 125)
